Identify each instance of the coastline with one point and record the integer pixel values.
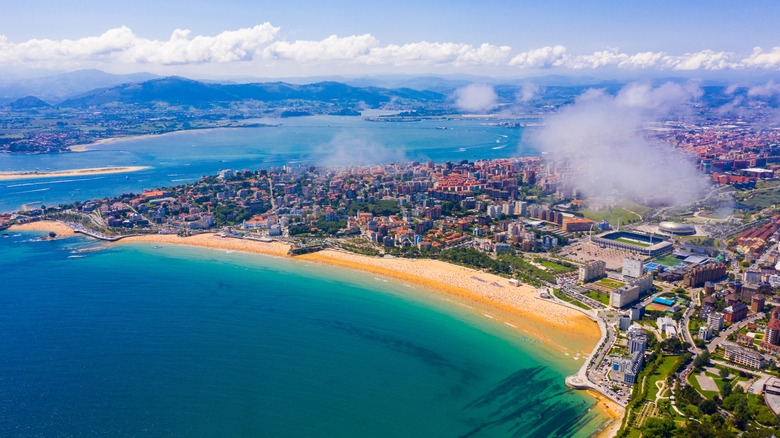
(517, 307)
(83, 147)
(60, 229)
(70, 172)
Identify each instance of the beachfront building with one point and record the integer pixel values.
(637, 339)
(629, 293)
(625, 369)
(592, 270)
(624, 322)
(623, 296)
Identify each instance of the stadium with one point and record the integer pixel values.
(640, 243)
(676, 229)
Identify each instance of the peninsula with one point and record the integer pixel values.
(70, 172)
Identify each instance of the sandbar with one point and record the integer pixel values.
(71, 172)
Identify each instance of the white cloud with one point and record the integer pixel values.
(767, 90)
(228, 46)
(476, 98)
(121, 47)
(762, 59)
(545, 57)
(602, 136)
(438, 53)
(329, 49)
(703, 60)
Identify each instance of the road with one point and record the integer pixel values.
(725, 333)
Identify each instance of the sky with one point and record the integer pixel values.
(259, 38)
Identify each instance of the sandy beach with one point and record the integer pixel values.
(487, 292)
(211, 240)
(62, 230)
(72, 172)
(85, 147)
(613, 410)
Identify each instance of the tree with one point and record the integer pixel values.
(723, 373)
(726, 390)
(701, 360)
(765, 416)
(708, 407)
(658, 428)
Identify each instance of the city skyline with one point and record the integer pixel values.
(301, 38)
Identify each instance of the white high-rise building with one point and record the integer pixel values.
(633, 268)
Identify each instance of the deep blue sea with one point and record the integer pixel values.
(137, 340)
(183, 157)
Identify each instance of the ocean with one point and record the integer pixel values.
(182, 157)
(143, 340)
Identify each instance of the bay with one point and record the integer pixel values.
(182, 157)
(138, 340)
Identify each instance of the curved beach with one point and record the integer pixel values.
(492, 296)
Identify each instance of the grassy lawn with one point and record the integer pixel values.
(622, 212)
(759, 199)
(663, 371)
(695, 383)
(633, 242)
(666, 261)
(610, 283)
(601, 298)
(568, 299)
(555, 267)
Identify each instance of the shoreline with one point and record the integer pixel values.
(5, 176)
(517, 307)
(83, 147)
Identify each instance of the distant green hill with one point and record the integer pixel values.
(181, 91)
(29, 102)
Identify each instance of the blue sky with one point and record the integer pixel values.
(284, 38)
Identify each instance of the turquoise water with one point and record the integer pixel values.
(183, 157)
(137, 340)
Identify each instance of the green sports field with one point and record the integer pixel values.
(633, 242)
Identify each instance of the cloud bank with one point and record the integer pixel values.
(601, 138)
(262, 43)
